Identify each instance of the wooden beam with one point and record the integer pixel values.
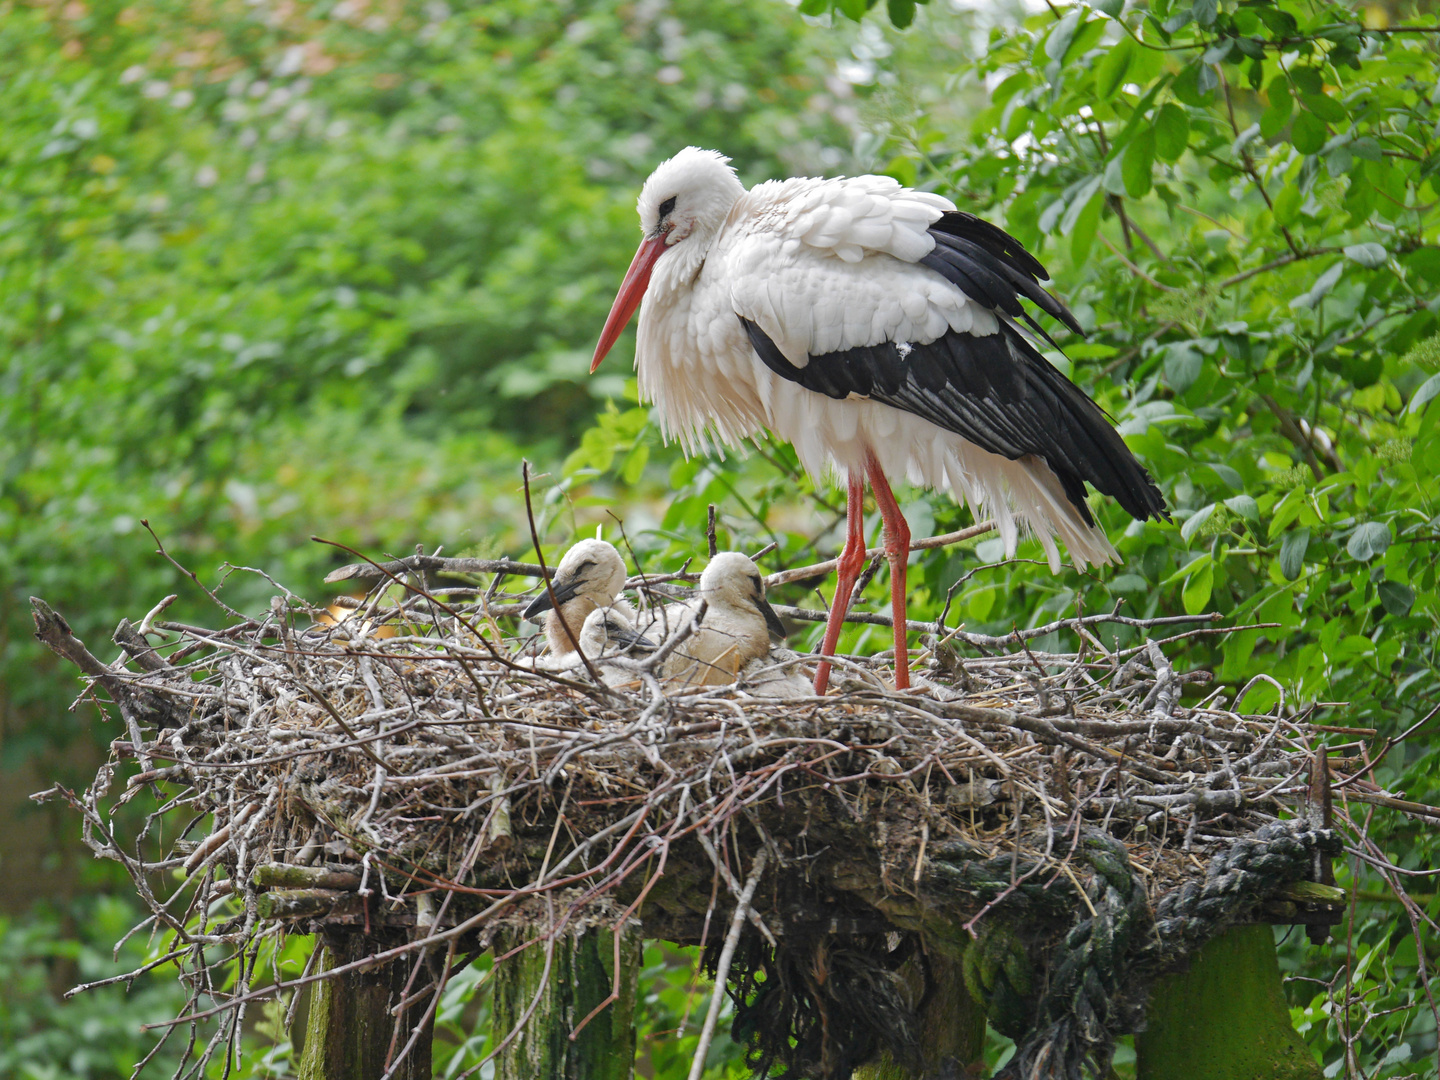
(1224, 1018)
(582, 977)
(349, 1027)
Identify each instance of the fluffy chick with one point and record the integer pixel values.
(736, 629)
(590, 576)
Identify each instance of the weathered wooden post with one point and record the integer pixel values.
(1224, 1018)
(582, 977)
(348, 1033)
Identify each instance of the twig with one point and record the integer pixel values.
(800, 573)
(722, 968)
(570, 632)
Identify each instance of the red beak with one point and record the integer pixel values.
(632, 291)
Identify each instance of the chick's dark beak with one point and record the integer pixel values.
(772, 621)
(628, 640)
(563, 590)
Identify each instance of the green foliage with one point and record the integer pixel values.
(93, 1037)
(325, 270)
(1241, 203)
(333, 273)
(269, 271)
(98, 1034)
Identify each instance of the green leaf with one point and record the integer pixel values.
(1195, 521)
(1086, 226)
(1308, 133)
(1287, 205)
(1196, 593)
(1058, 43)
(1397, 599)
(1326, 108)
(902, 12)
(1369, 254)
(1183, 364)
(1111, 70)
(1321, 286)
(1292, 553)
(1139, 163)
(1194, 84)
(1279, 23)
(1428, 391)
(1113, 8)
(1204, 11)
(853, 9)
(1172, 132)
(1277, 112)
(1077, 205)
(1244, 506)
(1308, 80)
(1368, 540)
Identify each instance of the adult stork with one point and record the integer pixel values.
(874, 327)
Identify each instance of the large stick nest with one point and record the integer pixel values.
(428, 787)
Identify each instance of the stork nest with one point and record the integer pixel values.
(1064, 807)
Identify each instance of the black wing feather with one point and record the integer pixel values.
(976, 237)
(995, 391)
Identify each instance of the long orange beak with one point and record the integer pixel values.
(632, 291)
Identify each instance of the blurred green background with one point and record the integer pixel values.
(272, 269)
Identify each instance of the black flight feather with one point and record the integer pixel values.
(994, 390)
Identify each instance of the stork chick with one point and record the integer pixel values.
(609, 632)
(736, 628)
(590, 576)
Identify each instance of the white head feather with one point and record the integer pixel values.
(732, 580)
(597, 569)
(704, 187)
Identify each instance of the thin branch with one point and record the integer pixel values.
(722, 969)
(801, 573)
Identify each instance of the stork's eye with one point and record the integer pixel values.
(755, 580)
(667, 206)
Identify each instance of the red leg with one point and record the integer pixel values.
(897, 550)
(851, 561)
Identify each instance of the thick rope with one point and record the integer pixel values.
(1101, 973)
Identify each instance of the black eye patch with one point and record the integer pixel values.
(754, 580)
(667, 206)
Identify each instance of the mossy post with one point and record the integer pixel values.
(349, 1028)
(1224, 1018)
(952, 1028)
(582, 976)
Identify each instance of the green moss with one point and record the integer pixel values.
(1225, 1018)
(582, 975)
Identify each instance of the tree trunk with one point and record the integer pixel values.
(952, 1029)
(582, 975)
(1225, 1018)
(349, 1028)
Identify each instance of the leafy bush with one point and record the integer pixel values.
(1242, 204)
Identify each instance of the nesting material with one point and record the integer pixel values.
(433, 783)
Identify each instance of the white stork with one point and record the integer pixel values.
(874, 328)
